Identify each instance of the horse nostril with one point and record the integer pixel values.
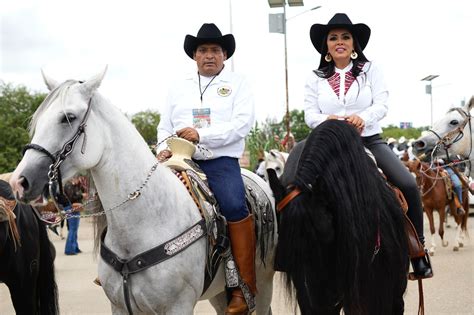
(419, 144)
(24, 183)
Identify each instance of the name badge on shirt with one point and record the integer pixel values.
(201, 117)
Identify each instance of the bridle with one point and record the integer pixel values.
(54, 173)
(454, 135)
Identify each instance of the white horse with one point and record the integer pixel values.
(450, 136)
(146, 204)
(275, 160)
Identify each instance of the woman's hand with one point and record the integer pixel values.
(356, 121)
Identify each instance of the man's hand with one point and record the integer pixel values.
(189, 134)
(163, 155)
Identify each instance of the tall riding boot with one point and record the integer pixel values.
(242, 239)
(420, 260)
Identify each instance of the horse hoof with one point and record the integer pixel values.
(461, 244)
(431, 252)
(455, 248)
(445, 244)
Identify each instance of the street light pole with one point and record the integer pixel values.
(286, 77)
(429, 90)
(283, 3)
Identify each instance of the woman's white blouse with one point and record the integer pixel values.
(367, 97)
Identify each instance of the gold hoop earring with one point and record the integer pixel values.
(354, 55)
(328, 57)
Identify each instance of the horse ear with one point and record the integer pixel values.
(470, 105)
(278, 189)
(93, 83)
(50, 83)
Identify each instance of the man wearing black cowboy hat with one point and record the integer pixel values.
(215, 107)
(347, 86)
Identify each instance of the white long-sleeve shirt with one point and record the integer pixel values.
(367, 97)
(232, 113)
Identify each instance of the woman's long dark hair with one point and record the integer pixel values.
(327, 69)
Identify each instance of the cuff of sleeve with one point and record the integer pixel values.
(366, 118)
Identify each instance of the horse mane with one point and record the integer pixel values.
(339, 210)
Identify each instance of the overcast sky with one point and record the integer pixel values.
(142, 44)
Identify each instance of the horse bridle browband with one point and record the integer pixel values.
(54, 173)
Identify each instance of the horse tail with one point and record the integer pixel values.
(47, 289)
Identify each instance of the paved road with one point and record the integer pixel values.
(451, 291)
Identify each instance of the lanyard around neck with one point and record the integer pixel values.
(202, 92)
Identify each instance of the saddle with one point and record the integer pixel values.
(195, 181)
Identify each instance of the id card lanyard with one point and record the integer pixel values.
(200, 90)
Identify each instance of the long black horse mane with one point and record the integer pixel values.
(328, 233)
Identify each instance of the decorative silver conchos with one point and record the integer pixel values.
(183, 241)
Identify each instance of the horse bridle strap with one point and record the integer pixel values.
(68, 146)
(289, 197)
(151, 257)
(54, 173)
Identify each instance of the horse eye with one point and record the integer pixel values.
(454, 122)
(68, 118)
(277, 169)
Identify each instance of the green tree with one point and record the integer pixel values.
(298, 126)
(17, 105)
(146, 123)
(392, 131)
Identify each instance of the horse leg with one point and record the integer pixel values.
(263, 299)
(429, 214)
(442, 215)
(457, 238)
(61, 233)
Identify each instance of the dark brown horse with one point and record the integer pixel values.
(434, 196)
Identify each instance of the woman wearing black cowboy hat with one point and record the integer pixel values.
(215, 107)
(349, 87)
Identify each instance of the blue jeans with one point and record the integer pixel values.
(225, 181)
(72, 247)
(457, 186)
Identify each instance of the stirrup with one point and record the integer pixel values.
(423, 272)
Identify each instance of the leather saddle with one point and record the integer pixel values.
(195, 181)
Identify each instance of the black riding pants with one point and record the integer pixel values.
(398, 175)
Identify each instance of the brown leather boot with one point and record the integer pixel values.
(242, 239)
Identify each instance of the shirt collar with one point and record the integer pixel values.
(347, 68)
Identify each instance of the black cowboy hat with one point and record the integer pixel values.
(319, 32)
(209, 33)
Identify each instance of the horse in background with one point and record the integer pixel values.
(274, 159)
(450, 136)
(341, 241)
(434, 196)
(147, 207)
(26, 257)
